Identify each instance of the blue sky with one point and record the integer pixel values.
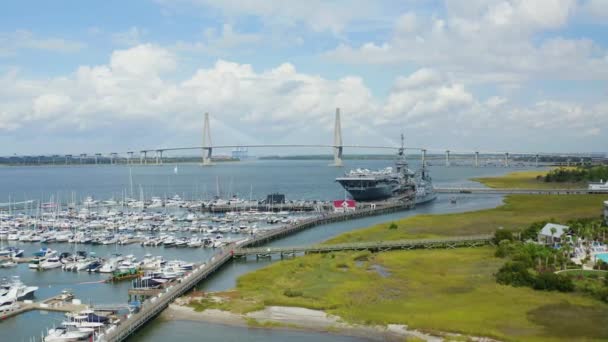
(105, 76)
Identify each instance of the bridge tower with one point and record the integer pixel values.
(507, 159)
(338, 146)
(423, 158)
(207, 149)
(143, 157)
(159, 157)
(476, 159)
(129, 157)
(536, 160)
(447, 158)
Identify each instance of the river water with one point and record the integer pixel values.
(309, 179)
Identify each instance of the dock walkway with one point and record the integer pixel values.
(56, 303)
(492, 191)
(374, 246)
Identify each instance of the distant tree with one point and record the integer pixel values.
(514, 273)
(550, 281)
(502, 234)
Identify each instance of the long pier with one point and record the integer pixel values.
(374, 246)
(155, 305)
(492, 191)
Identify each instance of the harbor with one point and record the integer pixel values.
(94, 284)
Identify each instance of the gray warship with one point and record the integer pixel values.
(399, 182)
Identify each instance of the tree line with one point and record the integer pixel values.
(576, 175)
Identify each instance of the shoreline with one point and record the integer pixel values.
(297, 319)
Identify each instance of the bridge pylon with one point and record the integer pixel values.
(338, 146)
(207, 145)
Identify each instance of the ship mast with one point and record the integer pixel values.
(401, 163)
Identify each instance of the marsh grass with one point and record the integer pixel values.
(526, 180)
(517, 212)
(432, 290)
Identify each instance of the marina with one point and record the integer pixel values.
(102, 221)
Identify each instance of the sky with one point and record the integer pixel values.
(488, 75)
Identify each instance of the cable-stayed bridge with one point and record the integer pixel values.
(157, 155)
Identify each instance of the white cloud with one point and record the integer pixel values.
(144, 60)
(12, 42)
(136, 91)
(487, 41)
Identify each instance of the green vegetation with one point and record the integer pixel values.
(577, 175)
(460, 290)
(527, 180)
(432, 290)
(532, 265)
(516, 213)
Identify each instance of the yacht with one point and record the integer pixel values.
(22, 291)
(156, 202)
(111, 265)
(67, 333)
(8, 301)
(49, 263)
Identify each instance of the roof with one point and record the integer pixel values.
(559, 230)
(344, 204)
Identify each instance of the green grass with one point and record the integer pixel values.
(526, 180)
(517, 212)
(432, 290)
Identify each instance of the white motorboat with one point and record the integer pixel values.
(22, 291)
(67, 334)
(50, 263)
(111, 265)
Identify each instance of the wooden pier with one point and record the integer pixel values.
(374, 246)
(492, 191)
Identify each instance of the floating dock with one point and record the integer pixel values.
(59, 303)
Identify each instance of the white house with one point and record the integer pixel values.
(552, 233)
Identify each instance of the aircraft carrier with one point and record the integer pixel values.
(398, 182)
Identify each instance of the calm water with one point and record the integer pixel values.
(297, 179)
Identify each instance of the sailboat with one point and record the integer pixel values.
(175, 169)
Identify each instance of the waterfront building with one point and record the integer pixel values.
(342, 206)
(552, 233)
